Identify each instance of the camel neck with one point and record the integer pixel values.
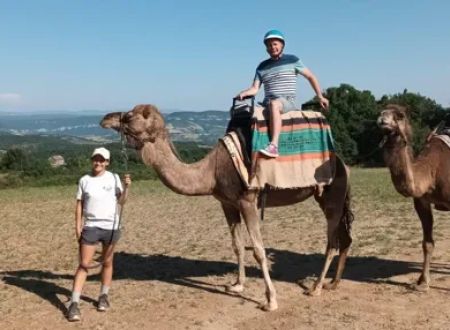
(404, 169)
(186, 179)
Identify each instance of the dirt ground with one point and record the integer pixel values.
(175, 258)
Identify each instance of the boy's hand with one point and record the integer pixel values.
(324, 103)
(240, 96)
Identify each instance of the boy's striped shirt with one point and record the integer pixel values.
(279, 76)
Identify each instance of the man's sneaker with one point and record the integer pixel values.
(73, 312)
(270, 151)
(103, 303)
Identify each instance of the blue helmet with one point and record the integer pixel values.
(274, 34)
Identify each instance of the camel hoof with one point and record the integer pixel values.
(271, 306)
(235, 288)
(315, 291)
(420, 287)
(331, 285)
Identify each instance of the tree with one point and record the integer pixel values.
(424, 113)
(352, 116)
(14, 159)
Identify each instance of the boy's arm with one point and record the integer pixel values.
(252, 91)
(324, 103)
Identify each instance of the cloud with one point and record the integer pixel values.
(10, 98)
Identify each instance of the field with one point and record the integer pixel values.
(175, 258)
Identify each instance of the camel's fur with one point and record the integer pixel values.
(426, 178)
(215, 175)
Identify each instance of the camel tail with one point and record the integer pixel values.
(345, 224)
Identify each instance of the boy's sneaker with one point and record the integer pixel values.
(73, 312)
(270, 151)
(103, 303)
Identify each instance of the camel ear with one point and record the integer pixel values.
(146, 113)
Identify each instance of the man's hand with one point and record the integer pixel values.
(127, 180)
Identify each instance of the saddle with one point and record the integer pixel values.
(241, 123)
(306, 147)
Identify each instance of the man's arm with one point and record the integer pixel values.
(252, 91)
(124, 195)
(324, 103)
(78, 219)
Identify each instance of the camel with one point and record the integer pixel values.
(216, 175)
(425, 178)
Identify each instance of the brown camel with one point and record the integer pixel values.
(426, 177)
(215, 175)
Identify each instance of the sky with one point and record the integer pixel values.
(196, 55)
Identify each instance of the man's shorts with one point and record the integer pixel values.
(94, 235)
(287, 102)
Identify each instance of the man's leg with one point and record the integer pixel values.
(86, 254)
(107, 272)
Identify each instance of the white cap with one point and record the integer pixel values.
(102, 152)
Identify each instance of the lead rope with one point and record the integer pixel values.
(123, 151)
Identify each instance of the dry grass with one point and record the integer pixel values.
(175, 257)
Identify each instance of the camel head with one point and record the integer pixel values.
(394, 122)
(142, 124)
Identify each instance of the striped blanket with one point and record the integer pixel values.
(306, 148)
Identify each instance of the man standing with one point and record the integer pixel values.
(278, 74)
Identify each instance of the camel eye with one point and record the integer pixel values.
(400, 116)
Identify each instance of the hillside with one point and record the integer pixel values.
(201, 127)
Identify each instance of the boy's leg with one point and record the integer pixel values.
(276, 108)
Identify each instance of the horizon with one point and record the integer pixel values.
(72, 56)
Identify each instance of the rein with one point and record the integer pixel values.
(123, 151)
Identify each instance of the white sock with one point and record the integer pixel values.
(75, 297)
(104, 289)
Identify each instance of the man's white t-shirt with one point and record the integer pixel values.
(99, 195)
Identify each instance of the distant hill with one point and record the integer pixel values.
(203, 127)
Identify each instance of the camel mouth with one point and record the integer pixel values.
(389, 131)
(111, 120)
(385, 126)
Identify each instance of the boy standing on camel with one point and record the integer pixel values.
(278, 74)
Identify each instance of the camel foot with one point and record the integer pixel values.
(315, 291)
(270, 306)
(331, 285)
(420, 287)
(235, 288)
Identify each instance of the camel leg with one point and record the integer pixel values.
(345, 240)
(340, 269)
(423, 209)
(234, 222)
(333, 219)
(249, 212)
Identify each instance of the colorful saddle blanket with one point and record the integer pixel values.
(306, 151)
(306, 148)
